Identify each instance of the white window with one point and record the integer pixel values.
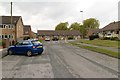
(10, 36)
(2, 36)
(26, 32)
(6, 36)
(12, 26)
(1, 26)
(9, 26)
(6, 26)
(19, 27)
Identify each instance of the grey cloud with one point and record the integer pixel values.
(46, 15)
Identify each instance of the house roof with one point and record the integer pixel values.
(58, 32)
(7, 19)
(94, 30)
(112, 26)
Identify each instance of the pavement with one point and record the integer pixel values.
(3, 52)
(60, 60)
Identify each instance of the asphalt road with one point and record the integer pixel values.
(60, 60)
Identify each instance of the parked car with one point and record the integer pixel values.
(47, 38)
(55, 39)
(27, 47)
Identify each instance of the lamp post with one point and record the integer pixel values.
(11, 25)
(82, 22)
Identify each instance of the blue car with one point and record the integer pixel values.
(27, 47)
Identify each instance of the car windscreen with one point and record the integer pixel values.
(36, 42)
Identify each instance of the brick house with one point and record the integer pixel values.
(11, 32)
(28, 33)
(111, 30)
(61, 34)
(33, 34)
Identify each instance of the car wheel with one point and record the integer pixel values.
(39, 53)
(29, 53)
(10, 52)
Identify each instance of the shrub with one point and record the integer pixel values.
(40, 40)
(2, 43)
(92, 37)
(70, 38)
(114, 38)
(111, 38)
(106, 38)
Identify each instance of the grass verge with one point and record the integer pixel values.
(99, 50)
(107, 43)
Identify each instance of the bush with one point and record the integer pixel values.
(70, 38)
(106, 38)
(92, 37)
(40, 40)
(111, 38)
(2, 43)
(114, 38)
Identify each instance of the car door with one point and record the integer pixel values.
(18, 48)
(25, 46)
(22, 47)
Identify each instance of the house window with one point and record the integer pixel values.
(2, 36)
(9, 26)
(117, 32)
(1, 26)
(6, 26)
(10, 36)
(26, 32)
(6, 36)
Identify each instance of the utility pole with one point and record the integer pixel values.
(11, 25)
(82, 23)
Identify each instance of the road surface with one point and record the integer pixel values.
(60, 60)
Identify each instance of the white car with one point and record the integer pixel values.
(47, 38)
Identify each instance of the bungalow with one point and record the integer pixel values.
(11, 32)
(110, 30)
(61, 34)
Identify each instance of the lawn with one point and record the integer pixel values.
(107, 43)
(99, 50)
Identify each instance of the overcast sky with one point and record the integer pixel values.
(46, 14)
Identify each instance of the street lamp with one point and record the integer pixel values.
(82, 22)
(11, 25)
